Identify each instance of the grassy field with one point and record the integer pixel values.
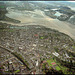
(63, 68)
(58, 66)
(16, 71)
(50, 61)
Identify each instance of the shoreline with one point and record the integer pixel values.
(44, 20)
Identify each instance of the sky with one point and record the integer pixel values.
(71, 1)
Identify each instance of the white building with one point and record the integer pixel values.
(55, 54)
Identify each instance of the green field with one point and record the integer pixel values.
(16, 71)
(57, 68)
(42, 37)
(63, 68)
(51, 61)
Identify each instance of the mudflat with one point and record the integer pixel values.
(38, 17)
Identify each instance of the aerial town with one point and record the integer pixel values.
(37, 37)
(33, 48)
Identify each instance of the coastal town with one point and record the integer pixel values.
(25, 49)
(37, 37)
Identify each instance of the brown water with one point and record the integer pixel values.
(38, 17)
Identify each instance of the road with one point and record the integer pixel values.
(15, 56)
(8, 59)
